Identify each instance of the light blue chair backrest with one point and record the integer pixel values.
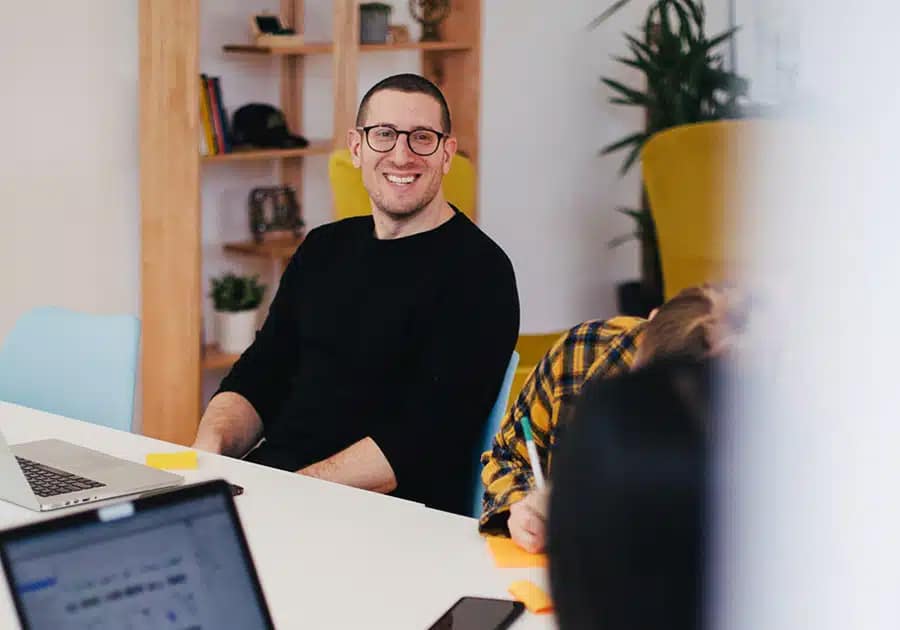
(73, 364)
(491, 428)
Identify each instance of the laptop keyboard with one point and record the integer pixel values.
(49, 482)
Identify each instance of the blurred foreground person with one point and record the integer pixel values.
(628, 512)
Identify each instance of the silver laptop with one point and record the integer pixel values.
(51, 474)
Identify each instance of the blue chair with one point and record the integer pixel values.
(491, 428)
(73, 364)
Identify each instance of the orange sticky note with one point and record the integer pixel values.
(508, 555)
(533, 596)
(184, 460)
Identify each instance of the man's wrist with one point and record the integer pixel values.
(208, 443)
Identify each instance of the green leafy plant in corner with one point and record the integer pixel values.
(685, 82)
(232, 293)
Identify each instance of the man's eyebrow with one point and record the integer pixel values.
(393, 126)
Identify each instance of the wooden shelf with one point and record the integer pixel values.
(280, 249)
(316, 147)
(214, 359)
(325, 48)
(426, 46)
(320, 48)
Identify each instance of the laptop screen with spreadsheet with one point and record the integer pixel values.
(174, 560)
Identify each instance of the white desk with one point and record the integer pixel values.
(328, 556)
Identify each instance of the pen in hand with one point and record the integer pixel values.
(532, 453)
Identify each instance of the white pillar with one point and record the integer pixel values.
(808, 511)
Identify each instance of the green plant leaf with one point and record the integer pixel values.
(232, 293)
(634, 42)
(697, 11)
(624, 142)
(615, 6)
(626, 102)
(621, 240)
(632, 157)
(640, 215)
(721, 38)
(627, 92)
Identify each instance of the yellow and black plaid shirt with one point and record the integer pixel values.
(597, 347)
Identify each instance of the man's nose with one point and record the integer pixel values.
(401, 153)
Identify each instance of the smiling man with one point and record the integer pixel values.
(386, 343)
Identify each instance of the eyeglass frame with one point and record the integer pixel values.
(440, 134)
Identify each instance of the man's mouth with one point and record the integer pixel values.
(402, 180)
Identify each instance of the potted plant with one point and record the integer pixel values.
(685, 82)
(236, 300)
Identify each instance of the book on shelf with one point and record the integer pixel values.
(207, 145)
(215, 136)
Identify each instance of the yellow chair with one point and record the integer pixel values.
(351, 198)
(692, 173)
(531, 349)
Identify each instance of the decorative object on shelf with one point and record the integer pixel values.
(262, 125)
(398, 34)
(373, 22)
(686, 82)
(270, 30)
(430, 14)
(274, 213)
(236, 300)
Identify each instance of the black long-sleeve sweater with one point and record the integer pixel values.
(404, 341)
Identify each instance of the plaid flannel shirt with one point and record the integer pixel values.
(597, 347)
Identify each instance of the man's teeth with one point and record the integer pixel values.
(409, 179)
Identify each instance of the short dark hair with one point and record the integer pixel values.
(411, 84)
(628, 517)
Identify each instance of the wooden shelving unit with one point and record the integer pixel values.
(215, 359)
(277, 250)
(172, 359)
(319, 147)
(323, 48)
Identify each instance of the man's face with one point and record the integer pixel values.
(400, 182)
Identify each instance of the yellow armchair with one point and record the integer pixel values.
(351, 199)
(531, 349)
(691, 174)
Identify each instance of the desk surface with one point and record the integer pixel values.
(328, 556)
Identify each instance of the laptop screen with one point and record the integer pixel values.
(176, 560)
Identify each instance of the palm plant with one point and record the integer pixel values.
(686, 82)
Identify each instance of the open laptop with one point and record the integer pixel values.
(174, 559)
(50, 474)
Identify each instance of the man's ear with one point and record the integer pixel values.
(449, 152)
(354, 143)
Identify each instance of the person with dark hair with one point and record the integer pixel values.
(698, 322)
(389, 336)
(628, 518)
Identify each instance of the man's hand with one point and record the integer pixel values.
(527, 521)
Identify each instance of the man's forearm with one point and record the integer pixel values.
(230, 426)
(361, 465)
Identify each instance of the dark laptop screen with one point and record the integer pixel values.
(168, 562)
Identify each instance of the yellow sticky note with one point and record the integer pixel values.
(184, 460)
(508, 555)
(533, 596)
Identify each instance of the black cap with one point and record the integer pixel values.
(262, 125)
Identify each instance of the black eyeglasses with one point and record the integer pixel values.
(382, 139)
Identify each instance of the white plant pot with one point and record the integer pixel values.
(236, 331)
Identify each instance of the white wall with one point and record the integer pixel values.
(69, 180)
(69, 223)
(545, 194)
